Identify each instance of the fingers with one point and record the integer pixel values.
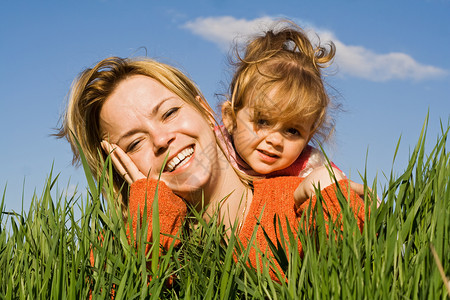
(303, 192)
(359, 189)
(320, 177)
(122, 163)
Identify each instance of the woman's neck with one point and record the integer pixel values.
(229, 194)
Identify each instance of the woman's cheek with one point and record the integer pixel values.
(141, 162)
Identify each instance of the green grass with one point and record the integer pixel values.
(44, 252)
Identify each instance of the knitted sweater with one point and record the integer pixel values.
(272, 197)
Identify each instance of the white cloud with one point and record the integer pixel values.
(360, 62)
(351, 60)
(223, 31)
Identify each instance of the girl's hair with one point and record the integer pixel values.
(91, 89)
(279, 77)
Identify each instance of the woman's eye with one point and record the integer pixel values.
(133, 146)
(170, 112)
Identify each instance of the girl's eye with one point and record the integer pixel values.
(172, 111)
(262, 122)
(293, 131)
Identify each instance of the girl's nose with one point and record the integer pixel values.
(162, 140)
(274, 138)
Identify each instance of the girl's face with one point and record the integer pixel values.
(269, 147)
(150, 123)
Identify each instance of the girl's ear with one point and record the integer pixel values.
(227, 117)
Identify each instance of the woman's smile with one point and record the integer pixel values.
(183, 158)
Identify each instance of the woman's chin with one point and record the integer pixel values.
(185, 186)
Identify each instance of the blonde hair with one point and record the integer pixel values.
(91, 89)
(279, 77)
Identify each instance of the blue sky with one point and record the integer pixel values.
(392, 66)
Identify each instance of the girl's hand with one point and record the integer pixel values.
(305, 189)
(359, 189)
(321, 175)
(122, 163)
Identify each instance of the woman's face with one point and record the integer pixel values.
(150, 123)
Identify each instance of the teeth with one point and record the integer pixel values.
(180, 159)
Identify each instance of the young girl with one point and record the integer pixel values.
(278, 105)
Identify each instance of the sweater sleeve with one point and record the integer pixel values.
(172, 209)
(331, 203)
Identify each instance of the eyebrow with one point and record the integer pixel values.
(299, 125)
(156, 108)
(126, 135)
(302, 126)
(154, 112)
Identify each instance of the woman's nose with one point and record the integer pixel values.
(162, 140)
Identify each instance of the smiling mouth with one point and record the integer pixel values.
(268, 153)
(180, 160)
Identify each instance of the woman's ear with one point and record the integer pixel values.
(208, 109)
(227, 116)
(203, 103)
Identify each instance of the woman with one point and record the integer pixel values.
(143, 112)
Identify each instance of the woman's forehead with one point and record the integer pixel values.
(140, 86)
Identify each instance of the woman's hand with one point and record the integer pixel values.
(122, 163)
(321, 176)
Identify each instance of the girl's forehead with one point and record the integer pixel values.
(285, 113)
(267, 100)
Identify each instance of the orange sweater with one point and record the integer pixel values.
(272, 196)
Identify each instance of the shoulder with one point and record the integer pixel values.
(276, 187)
(273, 182)
(145, 191)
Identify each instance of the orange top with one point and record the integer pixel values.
(172, 209)
(272, 197)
